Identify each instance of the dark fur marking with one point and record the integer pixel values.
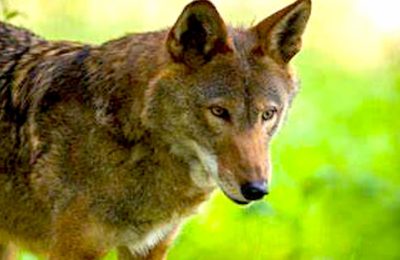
(195, 37)
(247, 101)
(7, 78)
(69, 81)
(287, 50)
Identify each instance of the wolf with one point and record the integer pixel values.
(114, 145)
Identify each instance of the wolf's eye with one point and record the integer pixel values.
(220, 112)
(269, 114)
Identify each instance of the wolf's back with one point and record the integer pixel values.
(14, 42)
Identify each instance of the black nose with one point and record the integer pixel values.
(254, 190)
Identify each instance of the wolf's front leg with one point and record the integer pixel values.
(158, 252)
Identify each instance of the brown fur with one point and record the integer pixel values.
(114, 145)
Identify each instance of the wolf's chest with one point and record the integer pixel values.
(142, 243)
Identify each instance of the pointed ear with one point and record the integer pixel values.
(279, 36)
(198, 35)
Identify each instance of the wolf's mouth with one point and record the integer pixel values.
(240, 202)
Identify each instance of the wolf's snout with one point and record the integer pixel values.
(254, 190)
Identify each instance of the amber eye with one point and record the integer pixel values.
(269, 114)
(220, 112)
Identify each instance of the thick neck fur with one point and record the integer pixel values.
(120, 72)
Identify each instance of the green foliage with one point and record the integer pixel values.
(7, 13)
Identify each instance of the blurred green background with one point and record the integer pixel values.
(336, 184)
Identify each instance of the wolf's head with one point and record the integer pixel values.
(224, 94)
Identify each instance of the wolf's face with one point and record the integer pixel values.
(240, 108)
(225, 94)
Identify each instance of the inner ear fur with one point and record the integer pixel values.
(279, 36)
(198, 35)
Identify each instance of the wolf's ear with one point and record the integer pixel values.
(279, 35)
(198, 35)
